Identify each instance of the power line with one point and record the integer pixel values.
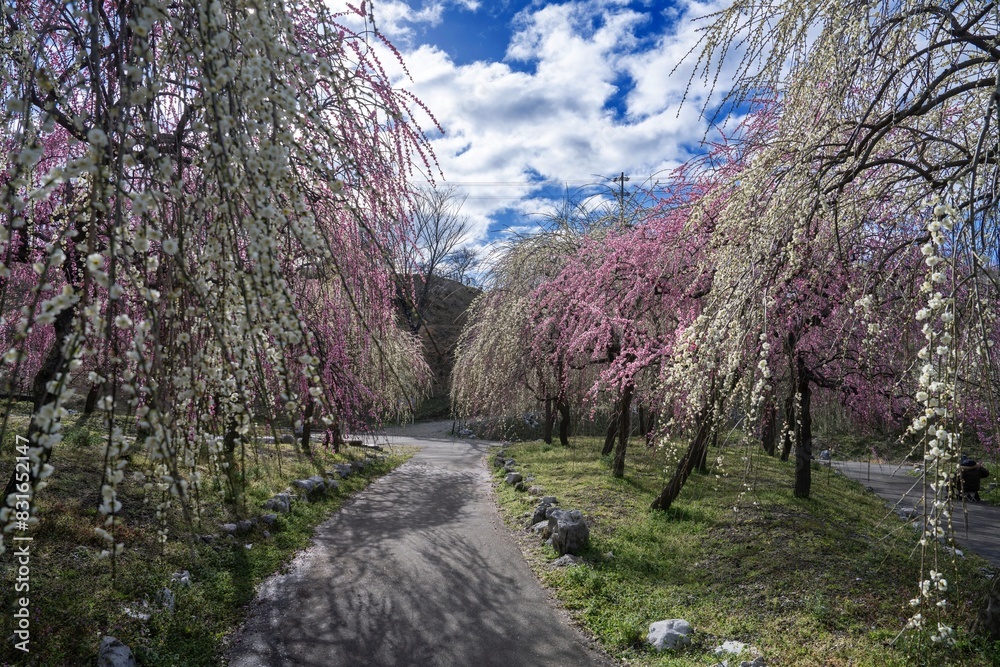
(548, 181)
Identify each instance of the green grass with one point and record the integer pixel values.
(823, 581)
(75, 601)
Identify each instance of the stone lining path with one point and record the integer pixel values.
(418, 570)
(981, 533)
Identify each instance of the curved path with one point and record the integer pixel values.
(418, 569)
(979, 530)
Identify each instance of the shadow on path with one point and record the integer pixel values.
(977, 525)
(416, 570)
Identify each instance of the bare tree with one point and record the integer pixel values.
(439, 227)
(460, 264)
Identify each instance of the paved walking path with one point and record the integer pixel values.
(981, 533)
(418, 570)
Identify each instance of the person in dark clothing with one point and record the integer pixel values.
(970, 473)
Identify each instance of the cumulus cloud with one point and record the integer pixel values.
(584, 90)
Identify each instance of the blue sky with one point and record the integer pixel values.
(537, 97)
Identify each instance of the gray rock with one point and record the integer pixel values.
(536, 490)
(730, 647)
(756, 662)
(182, 578)
(266, 534)
(166, 599)
(520, 486)
(342, 470)
(269, 519)
(332, 485)
(135, 612)
(542, 527)
(669, 634)
(513, 478)
(307, 485)
(282, 502)
(229, 528)
(567, 560)
(244, 526)
(499, 459)
(541, 512)
(114, 654)
(359, 465)
(825, 455)
(286, 439)
(570, 533)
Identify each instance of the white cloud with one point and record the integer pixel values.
(553, 108)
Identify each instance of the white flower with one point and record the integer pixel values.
(170, 246)
(96, 137)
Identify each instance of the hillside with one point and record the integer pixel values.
(444, 317)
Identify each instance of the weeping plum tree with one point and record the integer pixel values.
(907, 115)
(617, 303)
(502, 364)
(197, 217)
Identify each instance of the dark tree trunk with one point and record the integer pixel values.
(786, 434)
(696, 452)
(54, 363)
(643, 426)
(609, 438)
(229, 442)
(91, 403)
(307, 428)
(625, 408)
(987, 622)
(769, 433)
(650, 428)
(790, 428)
(803, 446)
(335, 439)
(550, 421)
(563, 406)
(703, 461)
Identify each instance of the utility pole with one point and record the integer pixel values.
(620, 180)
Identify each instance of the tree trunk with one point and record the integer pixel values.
(643, 426)
(803, 448)
(786, 434)
(307, 428)
(703, 461)
(229, 442)
(650, 428)
(609, 438)
(695, 453)
(550, 421)
(563, 407)
(987, 622)
(336, 439)
(54, 363)
(625, 406)
(769, 435)
(91, 403)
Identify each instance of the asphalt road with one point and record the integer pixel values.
(419, 570)
(976, 525)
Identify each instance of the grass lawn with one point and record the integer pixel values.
(823, 581)
(73, 599)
